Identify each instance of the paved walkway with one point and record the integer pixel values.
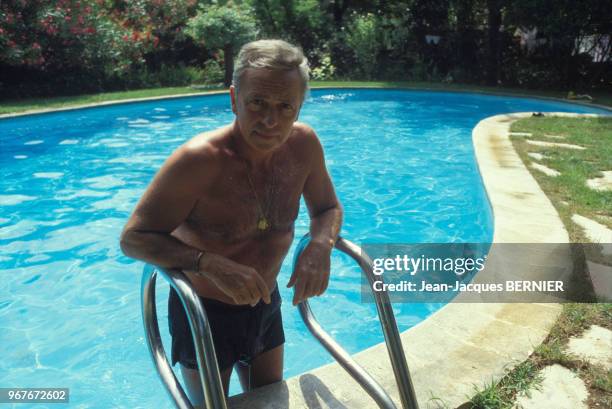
(563, 389)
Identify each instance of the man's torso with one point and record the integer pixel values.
(225, 218)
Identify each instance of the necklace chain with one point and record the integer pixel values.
(263, 223)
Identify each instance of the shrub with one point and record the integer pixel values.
(325, 70)
(212, 73)
(363, 39)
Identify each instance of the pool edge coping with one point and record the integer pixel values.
(219, 92)
(461, 353)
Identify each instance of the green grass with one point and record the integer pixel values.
(568, 191)
(602, 380)
(569, 194)
(16, 106)
(490, 397)
(501, 395)
(525, 377)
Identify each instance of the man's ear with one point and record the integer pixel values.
(232, 90)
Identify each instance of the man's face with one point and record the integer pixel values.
(266, 106)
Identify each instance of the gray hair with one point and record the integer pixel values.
(273, 55)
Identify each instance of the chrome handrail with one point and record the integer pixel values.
(389, 327)
(208, 368)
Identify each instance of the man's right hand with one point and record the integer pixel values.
(241, 283)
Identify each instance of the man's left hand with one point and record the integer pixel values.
(311, 274)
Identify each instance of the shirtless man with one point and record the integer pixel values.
(222, 209)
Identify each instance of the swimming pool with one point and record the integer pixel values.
(402, 163)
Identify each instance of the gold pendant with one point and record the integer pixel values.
(263, 224)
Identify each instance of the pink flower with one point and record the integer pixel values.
(36, 46)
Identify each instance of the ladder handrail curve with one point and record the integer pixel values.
(208, 368)
(389, 328)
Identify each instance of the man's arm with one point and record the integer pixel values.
(166, 204)
(311, 275)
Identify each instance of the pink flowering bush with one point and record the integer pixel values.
(65, 34)
(103, 40)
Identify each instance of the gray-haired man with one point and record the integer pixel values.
(222, 209)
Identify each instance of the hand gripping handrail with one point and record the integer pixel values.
(389, 327)
(214, 397)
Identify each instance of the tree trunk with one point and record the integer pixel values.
(466, 50)
(494, 23)
(339, 9)
(228, 57)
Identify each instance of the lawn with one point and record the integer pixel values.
(569, 194)
(568, 191)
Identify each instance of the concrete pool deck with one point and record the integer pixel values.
(462, 344)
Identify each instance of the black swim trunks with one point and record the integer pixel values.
(240, 332)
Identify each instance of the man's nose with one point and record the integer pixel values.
(270, 119)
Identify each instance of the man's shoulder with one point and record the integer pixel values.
(200, 155)
(208, 146)
(305, 144)
(303, 136)
(303, 131)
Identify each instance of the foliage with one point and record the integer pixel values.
(212, 73)
(71, 46)
(556, 59)
(325, 70)
(225, 27)
(219, 26)
(302, 22)
(362, 37)
(51, 35)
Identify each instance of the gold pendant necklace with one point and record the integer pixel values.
(262, 223)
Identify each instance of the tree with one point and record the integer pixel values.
(223, 27)
(302, 22)
(431, 19)
(562, 25)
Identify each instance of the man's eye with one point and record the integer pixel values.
(256, 104)
(287, 108)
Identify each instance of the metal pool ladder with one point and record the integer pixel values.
(214, 397)
(389, 327)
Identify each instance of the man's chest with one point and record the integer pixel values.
(238, 201)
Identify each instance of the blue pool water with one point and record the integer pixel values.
(402, 163)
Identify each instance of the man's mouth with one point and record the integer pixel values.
(265, 136)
